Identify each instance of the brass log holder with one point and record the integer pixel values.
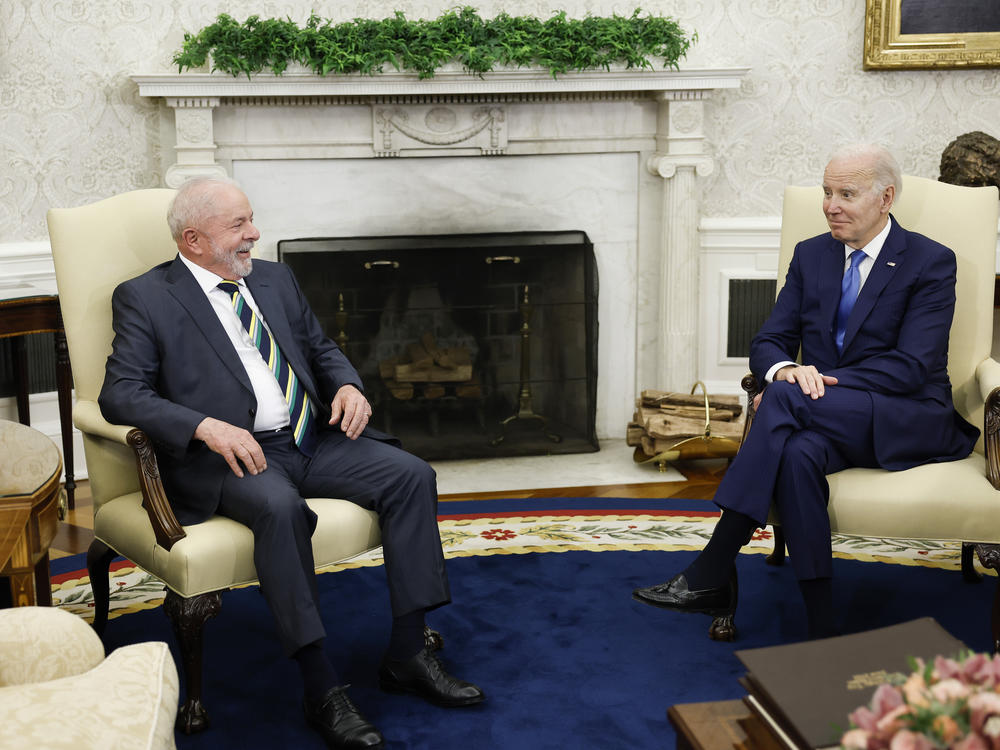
(704, 445)
(525, 411)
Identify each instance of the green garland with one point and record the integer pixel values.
(367, 46)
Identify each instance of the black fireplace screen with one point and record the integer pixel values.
(471, 345)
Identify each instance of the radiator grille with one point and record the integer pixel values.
(750, 302)
(41, 356)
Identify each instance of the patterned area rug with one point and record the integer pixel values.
(508, 527)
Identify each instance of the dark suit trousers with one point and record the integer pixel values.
(398, 486)
(793, 443)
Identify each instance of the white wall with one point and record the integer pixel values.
(73, 129)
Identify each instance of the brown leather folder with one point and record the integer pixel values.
(805, 691)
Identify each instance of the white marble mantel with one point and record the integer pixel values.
(445, 82)
(615, 153)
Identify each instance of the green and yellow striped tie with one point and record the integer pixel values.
(299, 411)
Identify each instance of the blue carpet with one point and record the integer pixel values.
(567, 658)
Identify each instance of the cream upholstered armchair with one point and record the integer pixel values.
(96, 247)
(56, 686)
(956, 501)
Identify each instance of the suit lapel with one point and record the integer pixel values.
(185, 289)
(831, 273)
(889, 259)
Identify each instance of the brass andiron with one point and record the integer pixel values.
(524, 408)
(342, 337)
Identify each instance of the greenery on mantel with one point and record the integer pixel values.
(480, 45)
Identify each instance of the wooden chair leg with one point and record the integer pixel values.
(723, 627)
(433, 640)
(995, 621)
(188, 616)
(989, 556)
(969, 572)
(99, 557)
(777, 556)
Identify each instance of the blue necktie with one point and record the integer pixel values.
(299, 410)
(848, 296)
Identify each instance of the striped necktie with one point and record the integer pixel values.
(299, 410)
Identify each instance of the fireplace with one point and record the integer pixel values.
(469, 345)
(619, 154)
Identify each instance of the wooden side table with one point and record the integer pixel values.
(709, 726)
(29, 500)
(721, 725)
(19, 317)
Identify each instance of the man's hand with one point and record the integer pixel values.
(811, 381)
(351, 409)
(232, 443)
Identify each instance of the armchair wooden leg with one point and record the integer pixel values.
(989, 556)
(777, 556)
(969, 572)
(432, 639)
(723, 627)
(996, 620)
(188, 616)
(99, 557)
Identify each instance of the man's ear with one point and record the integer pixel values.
(189, 240)
(888, 196)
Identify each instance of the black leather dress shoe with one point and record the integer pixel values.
(425, 676)
(675, 594)
(340, 723)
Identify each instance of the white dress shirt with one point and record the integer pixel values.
(272, 409)
(871, 250)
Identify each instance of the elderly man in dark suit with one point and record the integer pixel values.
(251, 409)
(870, 305)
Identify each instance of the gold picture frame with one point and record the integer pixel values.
(888, 49)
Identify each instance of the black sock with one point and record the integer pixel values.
(318, 674)
(712, 567)
(407, 638)
(818, 596)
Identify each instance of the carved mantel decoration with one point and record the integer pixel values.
(438, 126)
(657, 114)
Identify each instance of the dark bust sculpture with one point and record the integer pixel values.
(972, 159)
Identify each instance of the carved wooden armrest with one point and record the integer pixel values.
(752, 386)
(154, 499)
(991, 436)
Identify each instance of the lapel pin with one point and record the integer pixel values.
(890, 264)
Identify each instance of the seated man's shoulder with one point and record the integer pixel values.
(926, 247)
(817, 241)
(153, 275)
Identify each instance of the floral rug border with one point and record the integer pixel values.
(133, 589)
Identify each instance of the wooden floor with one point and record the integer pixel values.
(700, 480)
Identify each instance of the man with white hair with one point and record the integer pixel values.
(870, 306)
(251, 409)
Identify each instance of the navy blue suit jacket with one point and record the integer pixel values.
(172, 365)
(896, 342)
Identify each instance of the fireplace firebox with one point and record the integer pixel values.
(471, 345)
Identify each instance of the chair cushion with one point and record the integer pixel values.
(218, 554)
(127, 702)
(946, 501)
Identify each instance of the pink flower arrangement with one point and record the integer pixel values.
(948, 705)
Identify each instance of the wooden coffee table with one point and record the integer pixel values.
(29, 503)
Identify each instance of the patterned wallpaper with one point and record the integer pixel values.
(73, 128)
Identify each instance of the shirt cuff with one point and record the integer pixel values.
(769, 377)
